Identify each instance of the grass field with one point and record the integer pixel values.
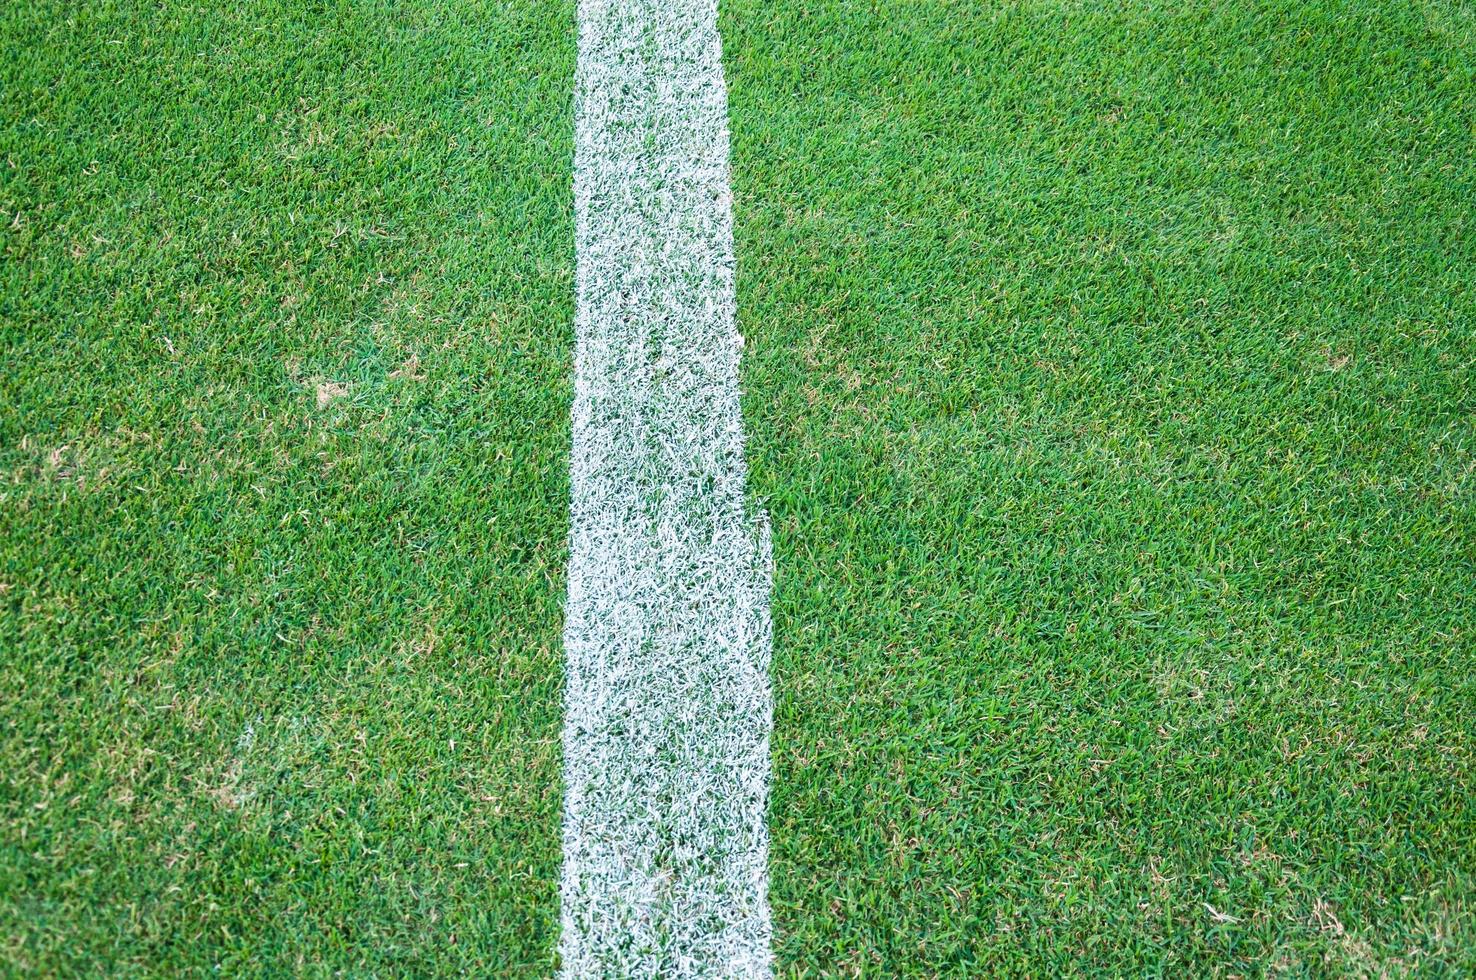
(1108, 384)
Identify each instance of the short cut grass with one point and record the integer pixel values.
(1108, 380)
(287, 303)
(1110, 386)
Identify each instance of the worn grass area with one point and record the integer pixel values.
(286, 321)
(1108, 379)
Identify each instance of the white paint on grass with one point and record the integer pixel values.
(667, 635)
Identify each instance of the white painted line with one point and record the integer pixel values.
(667, 634)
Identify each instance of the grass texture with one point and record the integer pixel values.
(1108, 384)
(1110, 376)
(287, 315)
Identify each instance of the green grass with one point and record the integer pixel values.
(1110, 374)
(281, 681)
(1108, 378)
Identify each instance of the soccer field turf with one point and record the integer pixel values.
(1107, 381)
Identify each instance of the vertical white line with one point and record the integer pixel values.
(667, 634)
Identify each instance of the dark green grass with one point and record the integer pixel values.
(1108, 378)
(281, 681)
(1109, 373)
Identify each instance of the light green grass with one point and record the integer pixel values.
(1108, 379)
